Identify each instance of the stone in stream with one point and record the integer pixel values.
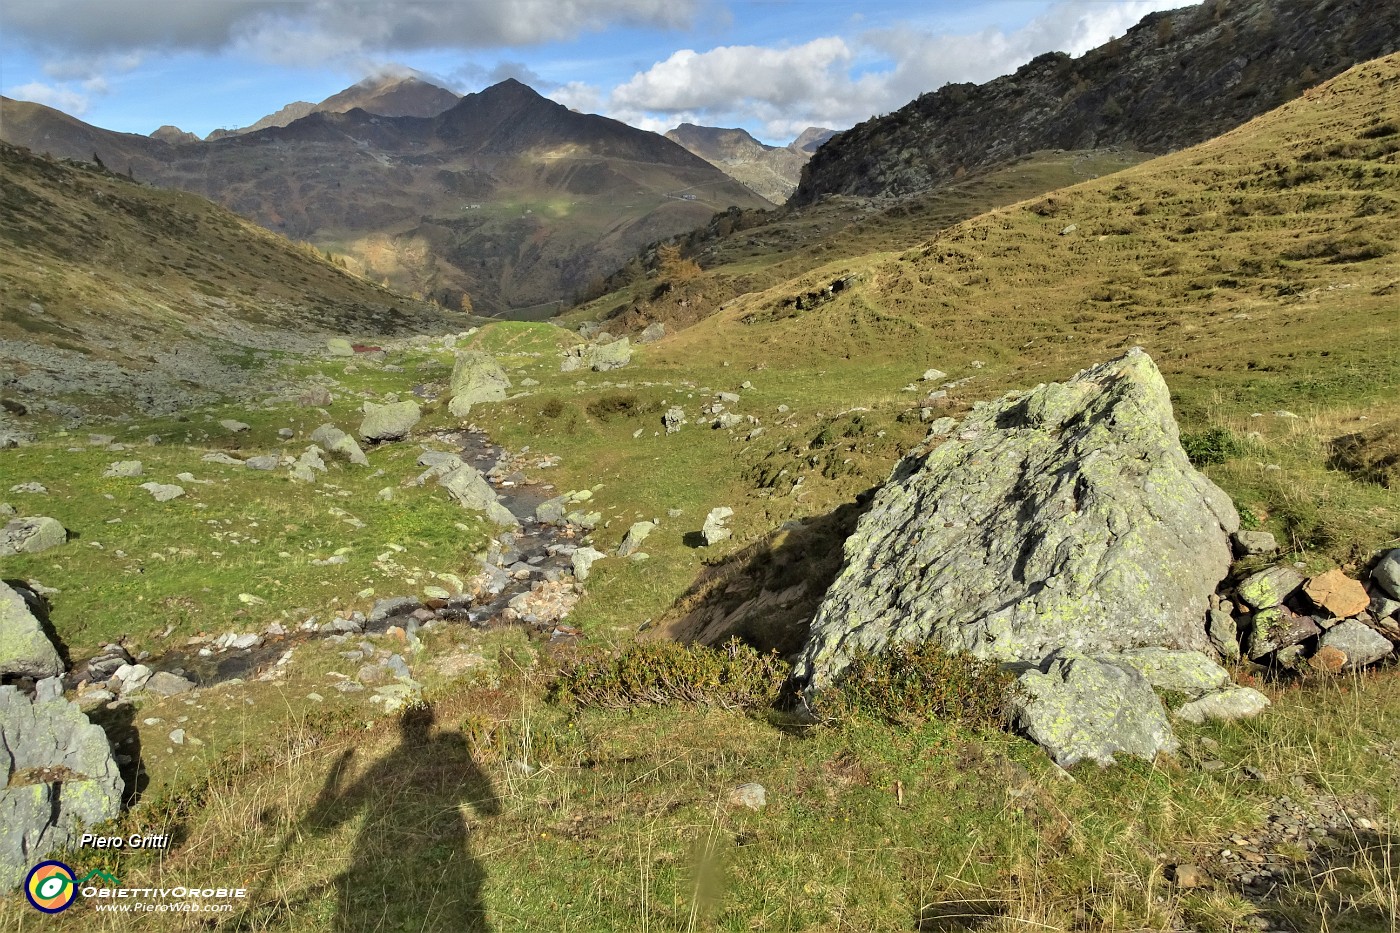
(63, 777)
(470, 489)
(1066, 517)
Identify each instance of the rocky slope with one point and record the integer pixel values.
(112, 290)
(769, 171)
(1176, 79)
(507, 197)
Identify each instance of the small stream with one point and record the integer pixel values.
(518, 561)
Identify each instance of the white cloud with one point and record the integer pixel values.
(578, 95)
(834, 81)
(326, 27)
(60, 98)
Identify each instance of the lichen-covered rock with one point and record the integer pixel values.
(1269, 587)
(469, 487)
(632, 541)
(390, 422)
(62, 777)
(1386, 574)
(1188, 672)
(1078, 708)
(1276, 628)
(1226, 705)
(163, 492)
(339, 444)
(1224, 634)
(583, 560)
(653, 332)
(1250, 543)
(339, 346)
(1361, 644)
(123, 469)
(603, 357)
(476, 377)
(1064, 517)
(31, 535)
(25, 650)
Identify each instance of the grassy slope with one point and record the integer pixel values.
(618, 821)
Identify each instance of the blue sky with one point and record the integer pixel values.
(773, 67)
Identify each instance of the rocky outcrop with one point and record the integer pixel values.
(339, 444)
(471, 490)
(476, 377)
(31, 535)
(1067, 517)
(1176, 79)
(25, 649)
(62, 777)
(390, 422)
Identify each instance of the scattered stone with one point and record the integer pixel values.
(168, 685)
(583, 560)
(37, 488)
(339, 444)
(31, 535)
(753, 796)
(1386, 574)
(339, 346)
(25, 649)
(390, 422)
(716, 528)
(1361, 644)
(1337, 593)
(1224, 635)
(62, 778)
(476, 377)
(219, 456)
(1276, 628)
(632, 541)
(264, 463)
(131, 678)
(1067, 516)
(286, 434)
(237, 427)
(315, 397)
(1380, 606)
(1078, 708)
(552, 511)
(1226, 706)
(1254, 543)
(1269, 587)
(673, 420)
(604, 357)
(1190, 875)
(177, 736)
(163, 492)
(1066, 231)
(1328, 660)
(933, 375)
(653, 332)
(122, 469)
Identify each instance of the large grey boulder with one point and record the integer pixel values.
(1064, 517)
(603, 357)
(470, 489)
(25, 650)
(1188, 672)
(31, 535)
(62, 777)
(390, 422)
(476, 377)
(1078, 708)
(339, 444)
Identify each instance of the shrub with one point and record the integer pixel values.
(909, 683)
(1213, 445)
(623, 404)
(665, 673)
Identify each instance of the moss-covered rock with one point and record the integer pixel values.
(25, 650)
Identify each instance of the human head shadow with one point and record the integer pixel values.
(118, 721)
(411, 865)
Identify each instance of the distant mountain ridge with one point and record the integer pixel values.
(769, 171)
(388, 96)
(507, 197)
(1176, 79)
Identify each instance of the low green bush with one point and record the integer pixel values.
(910, 683)
(665, 673)
(1213, 445)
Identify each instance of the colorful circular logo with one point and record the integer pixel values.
(51, 887)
